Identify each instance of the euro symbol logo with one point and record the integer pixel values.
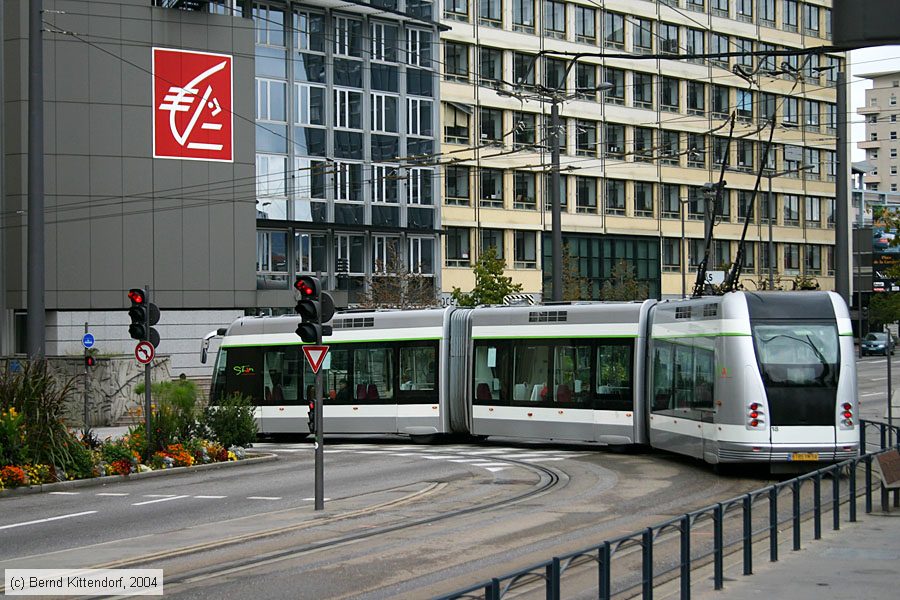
(180, 98)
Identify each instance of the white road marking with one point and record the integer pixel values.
(542, 459)
(435, 457)
(404, 454)
(159, 500)
(877, 378)
(65, 493)
(492, 464)
(263, 497)
(210, 497)
(333, 451)
(465, 460)
(80, 514)
(112, 494)
(872, 394)
(496, 469)
(158, 495)
(373, 451)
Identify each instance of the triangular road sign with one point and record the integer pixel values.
(315, 356)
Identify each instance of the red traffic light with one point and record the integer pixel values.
(136, 295)
(90, 361)
(308, 286)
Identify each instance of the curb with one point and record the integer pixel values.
(101, 481)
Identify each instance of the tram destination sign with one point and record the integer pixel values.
(889, 468)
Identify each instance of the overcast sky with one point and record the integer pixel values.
(869, 60)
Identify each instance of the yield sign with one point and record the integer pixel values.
(315, 356)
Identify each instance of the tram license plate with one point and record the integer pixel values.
(805, 456)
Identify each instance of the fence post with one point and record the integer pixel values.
(836, 498)
(773, 524)
(647, 566)
(605, 556)
(686, 557)
(748, 535)
(817, 505)
(718, 547)
(862, 435)
(852, 484)
(868, 458)
(553, 579)
(492, 590)
(795, 492)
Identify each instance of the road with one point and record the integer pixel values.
(401, 520)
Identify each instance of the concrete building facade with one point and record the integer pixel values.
(881, 113)
(635, 157)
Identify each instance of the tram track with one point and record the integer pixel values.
(548, 480)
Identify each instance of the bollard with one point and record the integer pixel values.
(553, 570)
(773, 524)
(686, 557)
(718, 547)
(647, 563)
(853, 492)
(748, 535)
(817, 505)
(492, 590)
(868, 458)
(604, 557)
(795, 491)
(836, 498)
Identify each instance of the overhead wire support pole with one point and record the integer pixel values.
(35, 320)
(554, 195)
(719, 188)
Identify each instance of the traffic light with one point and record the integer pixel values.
(141, 312)
(90, 361)
(314, 308)
(312, 416)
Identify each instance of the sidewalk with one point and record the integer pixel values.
(861, 561)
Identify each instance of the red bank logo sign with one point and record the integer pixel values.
(192, 103)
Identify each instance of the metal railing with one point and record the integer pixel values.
(678, 530)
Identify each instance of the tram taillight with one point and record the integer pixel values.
(847, 414)
(755, 416)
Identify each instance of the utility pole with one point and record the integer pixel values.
(35, 326)
(842, 209)
(554, 195)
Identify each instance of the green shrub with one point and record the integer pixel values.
(13, 445)
(231, 421)
(176, 417)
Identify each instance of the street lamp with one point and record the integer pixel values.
(771, 247)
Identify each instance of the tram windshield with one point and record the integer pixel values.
(269, 375)
(797, 354)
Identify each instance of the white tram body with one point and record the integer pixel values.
(744, 377)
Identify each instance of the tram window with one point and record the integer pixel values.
(491, 363)
(282, 377)
(662, 375)
(417, 368)
(571, 374)
(614, 377)
(684, 376)
(531, 365)
(704, 377)
(373, 369)
(338, 383)
(219, 377)
(244, 369)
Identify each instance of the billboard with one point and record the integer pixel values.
(192, 105)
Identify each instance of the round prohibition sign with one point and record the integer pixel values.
(144, 352)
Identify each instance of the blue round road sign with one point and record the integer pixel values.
(88, 340)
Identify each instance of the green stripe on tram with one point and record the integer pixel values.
(556, 336)
(699, 335)
(329, 342)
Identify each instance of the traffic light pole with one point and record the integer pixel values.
(87, 385)
(147, 420)
(320, 440)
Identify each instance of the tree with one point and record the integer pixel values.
(574, 286)
(491, 286)
(622, 284)
(884, 308)
(397, 287)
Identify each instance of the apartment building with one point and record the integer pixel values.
(636, 155)
(881, 144)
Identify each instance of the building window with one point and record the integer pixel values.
(384, 41)
(456, 123)
(310, 104)
(271, 100)
(811, 113)
(671, 251)
(669, 96)
(456, 61)
(309, 31)
(585, 25)
(309, 253)
(643, 90)
(419, 186)
(696, 43)
(813, 217)
(456, 185)
(347, 37)
(523, 15)
(669, 147)
(790, 15)
(555, 72)
(384, 183)
(643, 199)
(642, 35)
(309, 178)
(791, 111)
(421, 255)
(668, 38)
(744, 10)
(554, 19)
(491, 64)
(791, 257)
(696, 149)
(457, 247)
(523, 69)
(456, 10)
(492, 238)
(767, 13)
(720, 103)
(767, 107)
(490, 13)
(348, 182)
(491, 188)
(271, 175)
(695, 5)
(615, 197)
(696, 98)
(419, 117)
(616, 78)
(350, 251)
(384, 113)
(744, 105)
(791, 204)
(525, 129)
(585, 138)
(271, 253)
(586, 195)
(347, 109)
(745, 155)
(418, 47)
(643, 144)
(718, 44)
(614, 30)
(269, 23)
(525, 184)
(586, 81)
(745, 199)
(670, 201)
(525, 249)
(615, 141)
(811, 19)
(811, 159)
(491, 126)
(813, 262)
(385, 252)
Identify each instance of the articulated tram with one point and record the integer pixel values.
(744, 377)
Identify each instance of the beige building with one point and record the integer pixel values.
(881, 144)
(636, 156)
